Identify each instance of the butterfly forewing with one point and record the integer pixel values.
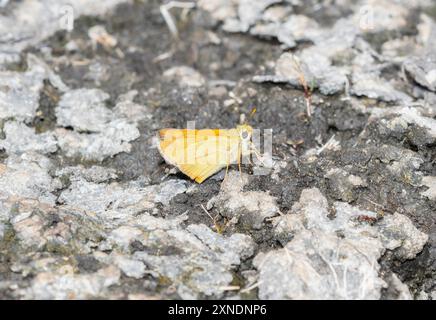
(199, 153)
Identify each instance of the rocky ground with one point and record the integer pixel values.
(89, 209)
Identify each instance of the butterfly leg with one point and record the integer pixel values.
(225, 175)
(239, 161)
(250, 161)
(227, 171)
(227, 162)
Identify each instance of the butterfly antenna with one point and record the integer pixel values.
(253, 111)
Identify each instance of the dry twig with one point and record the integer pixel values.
(307, 90)
(165, 11)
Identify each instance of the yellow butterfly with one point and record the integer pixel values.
(201, 153)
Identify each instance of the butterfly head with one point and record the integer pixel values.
(245, 132)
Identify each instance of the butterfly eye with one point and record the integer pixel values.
(244, 135)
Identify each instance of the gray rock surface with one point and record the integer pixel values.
(20, 139)
(344, 208)
(429, 182)
(19, 92)
(251, 207)
(26, 176)
(98, 131)
(20, 30)
(202, 258)
(423, 70)
(333, 258)
(186, 76)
